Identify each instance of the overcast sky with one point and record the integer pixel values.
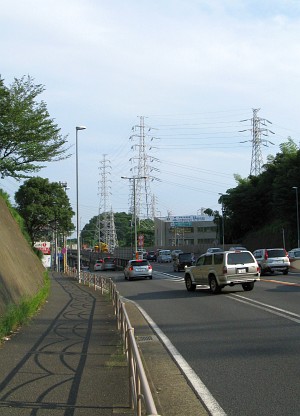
(193, 68)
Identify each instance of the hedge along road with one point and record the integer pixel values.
(243, 346)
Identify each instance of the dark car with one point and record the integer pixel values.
(151, 256)
(183, 260)
(107, 263)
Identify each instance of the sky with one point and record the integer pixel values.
(193, 69)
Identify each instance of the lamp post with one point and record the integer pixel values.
(297, 210)
(77, 205)
(134, 178)
(223, 231)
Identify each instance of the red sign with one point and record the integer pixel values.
(141, 240)
(43, 246)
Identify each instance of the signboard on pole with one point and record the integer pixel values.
(141, 240)
(43, 246)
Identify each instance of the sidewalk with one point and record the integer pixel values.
(68, 361)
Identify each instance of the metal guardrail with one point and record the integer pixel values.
(139, 391)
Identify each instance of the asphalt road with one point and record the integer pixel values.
(244, 346)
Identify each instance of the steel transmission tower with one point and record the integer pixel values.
(105, 228)
(143, 195)
(258, 129)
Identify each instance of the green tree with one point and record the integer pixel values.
(267, 201)
(45, 207)
(28, 136)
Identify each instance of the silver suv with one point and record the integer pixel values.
(272, 259)
(222, 269)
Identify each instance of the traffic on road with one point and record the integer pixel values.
(243, 346)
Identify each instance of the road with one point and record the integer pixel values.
(244, 346)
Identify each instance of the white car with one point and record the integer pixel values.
(138, 268)
(294, 254)
(214, 250)
(164, 256)
(226, 268)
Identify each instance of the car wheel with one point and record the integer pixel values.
(190, 286)
(150, 277)
(286, 271)
(125, 277)
(261, 271)
(213, 284)
(248, 286)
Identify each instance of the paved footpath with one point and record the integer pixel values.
(68, 360)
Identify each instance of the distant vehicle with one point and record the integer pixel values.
(151, 256)
(294, 253)
(174, 253)
(164, 256)
(142, 254)
(214, 250)
(138, 268)
(237, 248)
(272, 260)
(182, 261)
(226, 268)
(107, 263)
(98, 265)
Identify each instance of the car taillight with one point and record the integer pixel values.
(266, 255)
(131, 268)
(149, 267)
(286, 253)
(224, 270)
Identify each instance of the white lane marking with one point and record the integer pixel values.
(266, 307)
(167, 276)
(199, 387)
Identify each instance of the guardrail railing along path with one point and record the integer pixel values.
(139, 391)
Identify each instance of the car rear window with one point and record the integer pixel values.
(239, 258)
(277, 252)
(185, 257)
(139, 263)
(109, 260)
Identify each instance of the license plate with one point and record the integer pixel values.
(241, 270)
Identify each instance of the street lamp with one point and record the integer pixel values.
(134, 178)
(77, 205)
(223, 231)
(297, 210)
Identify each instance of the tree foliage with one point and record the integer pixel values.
(267, 200)
(124, 229)
(28, 136)
(45, 208)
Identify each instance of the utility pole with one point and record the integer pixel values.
(64, 185)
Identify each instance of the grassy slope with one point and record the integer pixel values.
(21, 272)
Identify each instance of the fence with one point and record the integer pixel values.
(139, 391)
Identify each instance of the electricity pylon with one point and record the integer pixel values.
(258, 129)
(105, 229)
(143, 196)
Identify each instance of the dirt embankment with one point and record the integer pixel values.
(21, 272)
